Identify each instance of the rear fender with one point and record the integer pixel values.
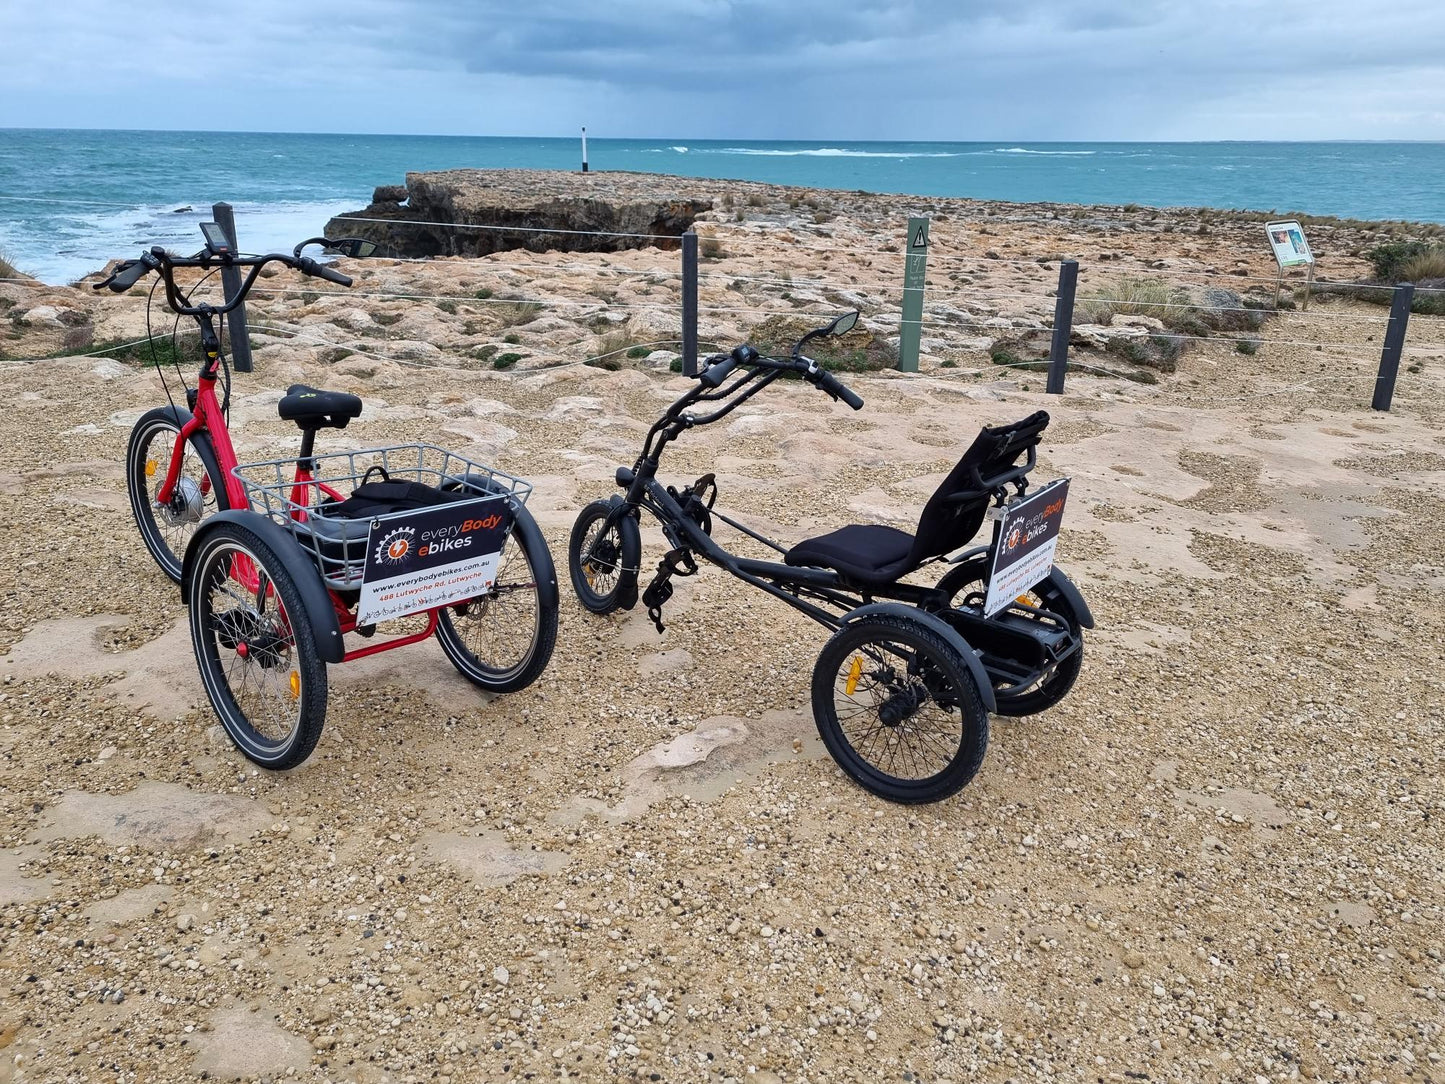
(936, 625)
(314, 596)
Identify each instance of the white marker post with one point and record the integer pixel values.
(1287, 239)
(584, 149)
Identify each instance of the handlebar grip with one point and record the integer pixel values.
(838, 390)
(718, 371)
(308, 266)
(126, 276)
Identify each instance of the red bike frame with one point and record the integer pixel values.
(209, 418)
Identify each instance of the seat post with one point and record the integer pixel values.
(305, 460)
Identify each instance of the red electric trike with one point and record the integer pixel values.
(282, 562)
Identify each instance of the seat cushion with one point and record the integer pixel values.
(312, 408)
(866, 552)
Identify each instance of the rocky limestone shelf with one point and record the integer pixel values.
(419, 219)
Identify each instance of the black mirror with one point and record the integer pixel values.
(353, 247)
(840, 326)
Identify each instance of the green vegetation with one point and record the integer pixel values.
(506, 361)
(447, 306)
(517, 313)
(675, 365)
(858, 351)
(1247, 346)
(485, 353)
(710, 248)
(1407, 261)
(162, 350)
(1130, 297)
(511, 338)
(8, 270)
(483, 294)
(1416, 261)
(639, 352)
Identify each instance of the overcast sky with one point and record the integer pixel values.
(869, 69)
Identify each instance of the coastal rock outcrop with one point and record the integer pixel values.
(436, 214)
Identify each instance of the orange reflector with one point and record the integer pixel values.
(295, 684)
(1023, 600)
(854, 673)
(150, 468)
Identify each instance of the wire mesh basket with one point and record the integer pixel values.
(338, 545)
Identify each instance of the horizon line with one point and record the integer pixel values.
(824, 140)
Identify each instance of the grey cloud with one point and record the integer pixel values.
(1017, 69)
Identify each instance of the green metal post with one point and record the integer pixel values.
(915, 270)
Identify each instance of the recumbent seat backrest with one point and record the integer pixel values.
(955, 512)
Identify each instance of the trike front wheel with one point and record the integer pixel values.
(899, 710)
(503, 640)
(200, 491)
(255, 648)
(603, 559)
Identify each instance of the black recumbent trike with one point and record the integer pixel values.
(903, 688)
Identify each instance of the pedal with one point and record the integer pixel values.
(657, 593)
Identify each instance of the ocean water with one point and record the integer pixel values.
(71, 200)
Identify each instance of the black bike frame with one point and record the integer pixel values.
(794, 585)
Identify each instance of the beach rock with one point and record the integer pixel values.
(588, 212)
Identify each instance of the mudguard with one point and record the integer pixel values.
(314, 596)
(532, 539)
(1065, 586)
(943, 630)
(631, 535)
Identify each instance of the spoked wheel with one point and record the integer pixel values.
(899, 710)
(603, 560)
(255, 648)
(503, 640)
(167, 528)
(966, 584)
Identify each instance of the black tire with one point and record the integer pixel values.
(200, 493)
(606, 560)
(906, 670)
(482, 637)
(969, 578)
(256, 648)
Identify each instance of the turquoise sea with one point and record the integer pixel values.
(70, 200)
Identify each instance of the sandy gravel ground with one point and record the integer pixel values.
(1220, 859)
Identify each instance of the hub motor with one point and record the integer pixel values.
(186, 505)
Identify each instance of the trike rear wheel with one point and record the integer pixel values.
(167, 529)
(603, 560)
(968, 582)
(255, 648)
(503, 640)
(899, 710)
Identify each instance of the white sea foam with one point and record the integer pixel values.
(1026, 150)
(75, 242)
(828, 152)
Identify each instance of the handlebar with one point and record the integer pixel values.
(719, 367)
(158, 259)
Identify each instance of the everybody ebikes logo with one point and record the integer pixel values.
(395, 546)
